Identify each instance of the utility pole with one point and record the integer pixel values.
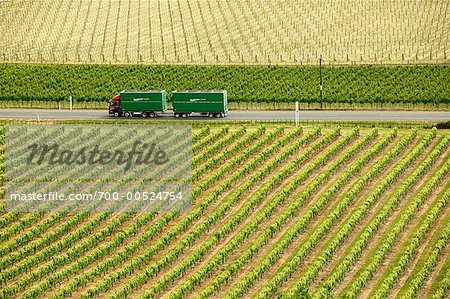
(321, 82)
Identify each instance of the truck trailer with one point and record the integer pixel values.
(147, 103)
(212, 103)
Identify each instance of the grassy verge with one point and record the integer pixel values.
(213, 123)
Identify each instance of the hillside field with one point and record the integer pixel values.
(231, 32)
(375, 53)
(277, 211)
(324, 210)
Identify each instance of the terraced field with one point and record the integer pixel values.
(277, 211)
(224, 32)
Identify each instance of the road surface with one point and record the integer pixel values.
(433, 116)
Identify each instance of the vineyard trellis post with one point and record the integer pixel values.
(321, 82)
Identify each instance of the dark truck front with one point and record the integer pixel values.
(114, 106)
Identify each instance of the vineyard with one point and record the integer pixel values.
(382, 85)
(277, 211)
(376, 54)
(316, 211)
(231, 32)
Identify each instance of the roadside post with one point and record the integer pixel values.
(321, 83)
(297, 114)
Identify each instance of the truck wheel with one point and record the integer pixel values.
(144, 114)
(184, 115)
(152, 114)
(211, 115)
(116, 114)
(177, 115)
(221, 115)
(127, 114)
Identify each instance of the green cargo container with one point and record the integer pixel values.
(144, 102)
(206, 102)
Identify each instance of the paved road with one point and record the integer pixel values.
(436, 116)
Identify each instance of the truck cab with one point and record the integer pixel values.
(114, 106)
(146, 103)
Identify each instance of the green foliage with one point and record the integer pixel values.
(351, 84)
(444, 125)
(301, 292)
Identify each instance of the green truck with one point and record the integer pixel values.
(212, 103)
(147, 103)
(150, 103)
